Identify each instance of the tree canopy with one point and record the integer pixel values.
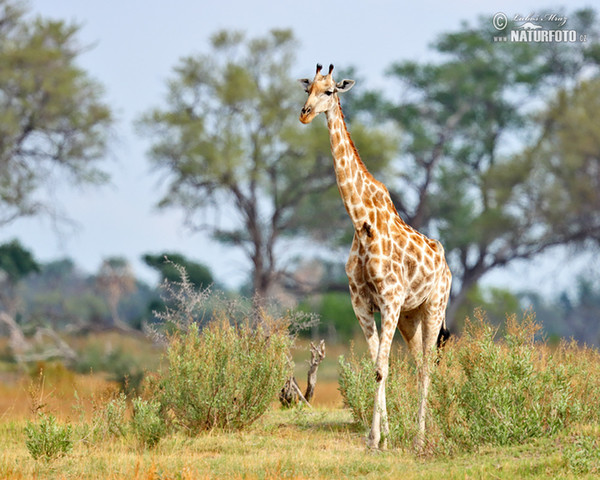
(53, 120)
(165, 263)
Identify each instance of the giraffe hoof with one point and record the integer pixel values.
(372, 443)
(418, 444)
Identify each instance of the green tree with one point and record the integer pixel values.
(52, 118)
(473, 123)
(229, 136)
(199, 275)
(15, 264)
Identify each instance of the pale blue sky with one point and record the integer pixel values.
(135, 45)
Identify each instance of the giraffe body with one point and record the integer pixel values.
(391, 268)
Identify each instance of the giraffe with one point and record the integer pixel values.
(391, 268)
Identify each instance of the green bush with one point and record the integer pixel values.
(146, 423)
(484, 391)
(223, 376)
(582, 453)
(224, 366)
(47, 439)
(110, 419)
(500, 393)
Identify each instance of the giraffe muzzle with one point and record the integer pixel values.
(305, 114)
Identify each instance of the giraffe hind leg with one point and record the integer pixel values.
(433, 330)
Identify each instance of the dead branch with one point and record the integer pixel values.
(290, 393)
(317, 354)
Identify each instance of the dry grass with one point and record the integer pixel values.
(290, 444)
(285, 444)
(63, 396)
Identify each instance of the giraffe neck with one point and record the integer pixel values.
(358, 188)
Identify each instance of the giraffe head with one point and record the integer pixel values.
(322, 93)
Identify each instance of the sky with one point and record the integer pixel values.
(133, 47)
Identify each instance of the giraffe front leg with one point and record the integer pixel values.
(366, 319)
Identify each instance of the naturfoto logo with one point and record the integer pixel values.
(535, 28)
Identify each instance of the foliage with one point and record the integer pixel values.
(570, 314)
(496, 302)
(64, 296)
(225, 376)
(169, 266)
(485, 392)
(52, 115)
(198, 274)
(47, 439)
(184, 304)
(110, 416)
(222, 370)
(146, 423)
(16, 262)
(338, 320)
(336, 309)
(357, 385)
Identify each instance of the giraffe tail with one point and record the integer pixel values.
(443, 336)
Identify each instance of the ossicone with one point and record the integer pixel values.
(319, 67)
(330, 68)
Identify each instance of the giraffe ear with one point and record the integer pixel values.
(344, 85)
(305, 82)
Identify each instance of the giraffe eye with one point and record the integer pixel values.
(328, 92)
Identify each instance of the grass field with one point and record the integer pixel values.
(320, 443)
(298, 443)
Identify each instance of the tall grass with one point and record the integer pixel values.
(485, 390)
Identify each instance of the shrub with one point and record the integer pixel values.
(111, 418)
(499, 393)
(146, 422)
(46, 439)
(484, 391)
(224, 376)
(225, 361)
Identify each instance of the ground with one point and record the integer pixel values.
(298, 443)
